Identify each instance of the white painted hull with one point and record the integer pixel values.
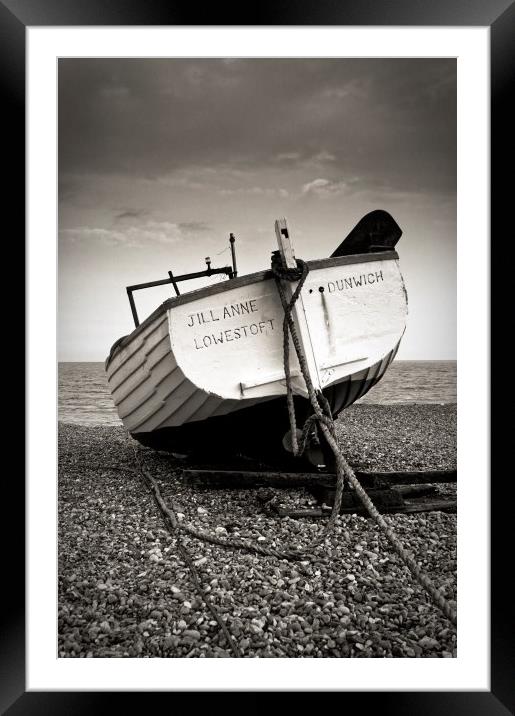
(219, 350)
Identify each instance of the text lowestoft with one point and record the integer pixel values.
(234, 334)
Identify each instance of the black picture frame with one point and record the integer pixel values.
(499, 16)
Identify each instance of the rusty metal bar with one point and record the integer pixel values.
(149, 284)
(174, 280)
(133, 306)
(233, 254)
(208, 272)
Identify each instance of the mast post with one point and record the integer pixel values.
(298, 313)
(233, 254)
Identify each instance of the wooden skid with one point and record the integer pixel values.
(435, 505)
(239, 479)
(322, 485)
(250, 478)
(410, 477)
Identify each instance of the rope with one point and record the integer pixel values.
(175, 529)
(322, 414)
(322, 410)
(321, 417)
(227, 248)
(290, 553)
(172, 524)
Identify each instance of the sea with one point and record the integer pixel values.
(84, 398)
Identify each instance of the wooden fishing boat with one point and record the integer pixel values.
(205, 373)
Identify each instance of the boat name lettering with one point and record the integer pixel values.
(234, 334)
(355, 281)
(229, 311)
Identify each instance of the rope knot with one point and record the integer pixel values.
(288, 274)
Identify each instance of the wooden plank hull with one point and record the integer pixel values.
(258, 429)
(208, 365)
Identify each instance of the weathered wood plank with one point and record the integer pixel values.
(298, 514)
(298, 311)
(416, 490)
(251, 478)
(410, 477)
(433, 506)
(284, 243)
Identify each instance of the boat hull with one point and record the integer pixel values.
(258, 431)
(206, 370)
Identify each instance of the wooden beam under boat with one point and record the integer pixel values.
(250, 479)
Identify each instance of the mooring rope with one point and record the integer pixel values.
(322, 415)
(173, 527)
(176, 528)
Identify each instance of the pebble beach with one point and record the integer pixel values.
(124, 591)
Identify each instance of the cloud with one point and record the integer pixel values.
(108, 237)
(193, 227)
(325, 187)
(130, 214)
(256, 191)
(324, 156)
(152, 232)
(288, 156)
(304, 160)
(170, 120)
(356, 88)
(179, 181)
(115, 92)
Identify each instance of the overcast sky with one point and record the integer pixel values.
(160, 159)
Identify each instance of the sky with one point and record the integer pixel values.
(160, 159)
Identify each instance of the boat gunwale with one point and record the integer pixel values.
(245, 281)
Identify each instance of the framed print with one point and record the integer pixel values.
(152, 141)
